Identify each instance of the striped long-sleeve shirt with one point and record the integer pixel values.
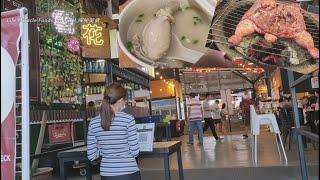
(195, 110)
(118, 147)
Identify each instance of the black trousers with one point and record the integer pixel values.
(209, 122)
(133, 176)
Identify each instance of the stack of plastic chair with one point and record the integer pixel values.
(264, 119)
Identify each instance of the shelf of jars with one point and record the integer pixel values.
(94, 93)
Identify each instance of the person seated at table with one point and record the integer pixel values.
(314, 100)
(113, 136)
(286, 114)
(305, 102)
(313, 118)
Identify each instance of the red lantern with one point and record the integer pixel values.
(237, 61)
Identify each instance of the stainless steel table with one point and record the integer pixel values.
(160, 150)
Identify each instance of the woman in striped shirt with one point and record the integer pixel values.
(113, 136)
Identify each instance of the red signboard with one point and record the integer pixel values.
(59, 133)
(10, 36)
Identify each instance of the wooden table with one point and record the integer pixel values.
(160, 150)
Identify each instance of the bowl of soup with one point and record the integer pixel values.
(190, 25)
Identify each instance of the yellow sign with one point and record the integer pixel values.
(92, 34)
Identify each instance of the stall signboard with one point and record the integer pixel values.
(95, 37)
(315, 82)
(168, 103)
(11, 31)
(59, 133)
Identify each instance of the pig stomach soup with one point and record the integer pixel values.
(189, 25)
(192, 28)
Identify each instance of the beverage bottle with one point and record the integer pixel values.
(93, 64)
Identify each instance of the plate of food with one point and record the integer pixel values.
(269, 32)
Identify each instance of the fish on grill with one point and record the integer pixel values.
(275, 21)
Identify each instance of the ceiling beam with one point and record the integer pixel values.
(242, 76)
(258, 78)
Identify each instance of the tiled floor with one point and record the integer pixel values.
(230, 157)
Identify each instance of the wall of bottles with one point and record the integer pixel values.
(95, 67)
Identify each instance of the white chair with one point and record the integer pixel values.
(264, 119)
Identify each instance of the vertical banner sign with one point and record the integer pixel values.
(11, 30)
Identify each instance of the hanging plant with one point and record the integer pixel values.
(60, 68)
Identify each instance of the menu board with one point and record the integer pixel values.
(146, 136)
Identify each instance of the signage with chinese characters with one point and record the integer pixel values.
(63, 21)
(92, 33)
(95, 36)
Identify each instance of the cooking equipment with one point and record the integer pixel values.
(284, 53)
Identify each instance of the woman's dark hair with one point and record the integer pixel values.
(223, 106)
(91, 104)
(281, 100)
(113, 93)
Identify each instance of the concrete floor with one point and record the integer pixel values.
(231, 159)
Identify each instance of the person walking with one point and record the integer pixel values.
(209, 122)
(246, 102)
(113, 136)
(195, 116)
(216, 115)
(224, 114)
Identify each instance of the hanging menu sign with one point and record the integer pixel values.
(95, 36)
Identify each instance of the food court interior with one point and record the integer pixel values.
(68, 77)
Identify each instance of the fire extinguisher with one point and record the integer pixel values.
(177, 126)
